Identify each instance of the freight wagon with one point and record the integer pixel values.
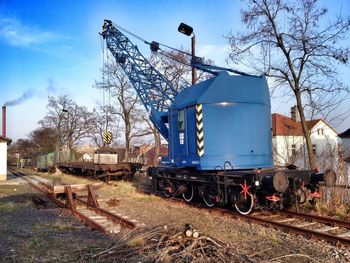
(105, 164)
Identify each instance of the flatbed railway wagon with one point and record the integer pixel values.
(105, 166)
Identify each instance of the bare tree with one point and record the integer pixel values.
(299, 51)
(175, 66)
(24, 147)
(44, 140)
(103, 119)
(127, 107)
(71, 121)
(156, 138)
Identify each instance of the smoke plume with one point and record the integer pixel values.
(26, 95)
(51, 86)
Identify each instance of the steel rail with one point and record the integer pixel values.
(314, 233)
(317, 218)
(299, 230)
(45, 189)
(115, 218)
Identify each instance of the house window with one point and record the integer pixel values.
(314, 149)
(294, 149)
(319, 131)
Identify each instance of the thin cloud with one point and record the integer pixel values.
(15, 33)
(51, 89)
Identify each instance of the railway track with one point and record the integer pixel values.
(323, 228)
(87, 211)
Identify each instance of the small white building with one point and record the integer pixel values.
(3, 157)
(290, 147)
(88, 157)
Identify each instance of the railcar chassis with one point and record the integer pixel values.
(245, 190)
(101, 171)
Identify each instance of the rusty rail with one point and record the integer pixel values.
(303, 231)
(317, 218)
(299, 230)
(91, 203)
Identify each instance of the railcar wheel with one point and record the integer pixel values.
(188, 192)
(301, 196)
(244, 203)
(207, 196)
(208, 200)
(168, 189)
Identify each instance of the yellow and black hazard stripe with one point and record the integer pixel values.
(107, 137)
(199, 126)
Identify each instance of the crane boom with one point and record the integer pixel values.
(154, 90)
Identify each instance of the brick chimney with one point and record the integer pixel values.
(3, 121)
(294, 113)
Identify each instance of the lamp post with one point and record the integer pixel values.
(188, 30)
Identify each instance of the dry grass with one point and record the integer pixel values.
(29, 234)
(335, 202)
(258, 242)
(7, 206)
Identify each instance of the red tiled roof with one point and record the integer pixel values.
(285, 126)
(312, 123)
(152, 151)
(282, 125)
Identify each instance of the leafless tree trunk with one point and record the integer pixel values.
(127, 106)
(157, 145)
(299, 51)
(71, 121)
(156, 137)
(104, 119)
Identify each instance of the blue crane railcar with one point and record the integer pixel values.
(219, 134)
(220, 148)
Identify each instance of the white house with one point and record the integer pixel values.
(290, 147)
(3, 157)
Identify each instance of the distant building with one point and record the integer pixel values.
(345, 153)
(290, 146)
(148, 154)
(88, 157)
(86, 149)
(4, 141)
(345, 141)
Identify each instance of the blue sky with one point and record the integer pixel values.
(53, 47)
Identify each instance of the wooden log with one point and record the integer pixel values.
(60, 189)
(188, 233)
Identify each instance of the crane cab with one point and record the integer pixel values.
(225, 118)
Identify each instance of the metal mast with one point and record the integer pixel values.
(154, 90)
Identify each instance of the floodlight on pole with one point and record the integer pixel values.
(188, 30)
(185, 29)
